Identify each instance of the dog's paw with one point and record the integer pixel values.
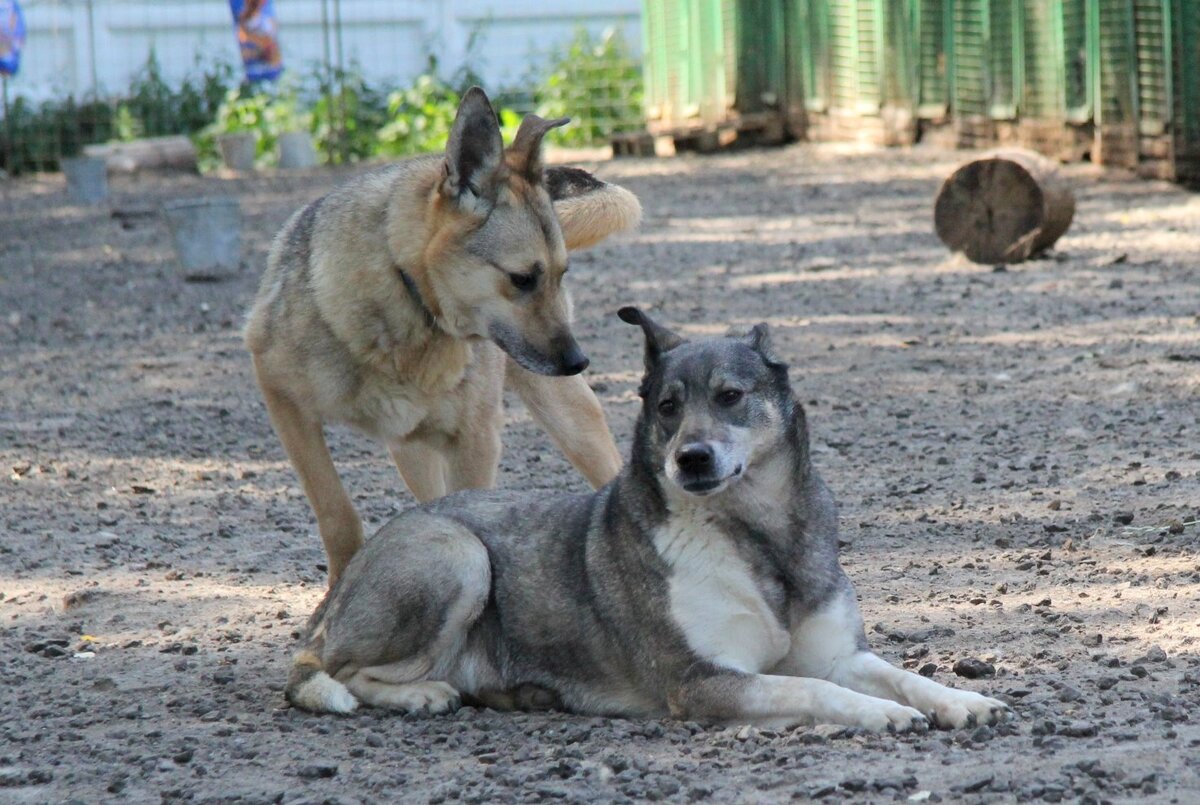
(341, 701)
(428, 697)
(963, 708)
(892, 717)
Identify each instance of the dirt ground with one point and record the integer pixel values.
(1016, 453)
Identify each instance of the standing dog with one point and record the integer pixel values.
(702, 583)
(387, 305)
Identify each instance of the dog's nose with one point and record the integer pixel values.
(571, 359)
(695, 458)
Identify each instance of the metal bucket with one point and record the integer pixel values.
(87, 179)
(207, 233)
(296, 150)
(238, 150)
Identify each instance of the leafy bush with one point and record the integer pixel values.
(35, 137)
(596, 83)
(266, 112)
(153, 107)
(347, 114)
(420, 117)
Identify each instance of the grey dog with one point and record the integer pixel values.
(703, 582)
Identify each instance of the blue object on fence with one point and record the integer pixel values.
(258, 37)
(12, 36)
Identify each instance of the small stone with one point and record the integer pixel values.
(928, 669)
(317, 771)
(1156, 654)
(983, 734)
(1123, 518)
(1106, 682)
(978, 785)
(1093, 640)
(972, 668)
(1067, 693)
(1078, 729)
(854, 784)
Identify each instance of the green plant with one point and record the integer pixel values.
(346, 115)
(420, 116)
(265, 112)
(152, 107)
(595, 82)
(35, 138)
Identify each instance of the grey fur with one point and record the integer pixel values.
(580, 600)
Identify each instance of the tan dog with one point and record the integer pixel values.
(387, 305)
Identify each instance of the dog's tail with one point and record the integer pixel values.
(309, 687)
(589, 210)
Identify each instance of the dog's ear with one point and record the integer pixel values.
(524, 156)
(588, 209)
(474, 154)
(658, 338)
(759, 339)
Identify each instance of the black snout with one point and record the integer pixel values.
(695, 458)
(571, 360)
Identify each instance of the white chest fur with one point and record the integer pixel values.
(715, 600)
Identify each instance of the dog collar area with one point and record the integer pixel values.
(411, 286)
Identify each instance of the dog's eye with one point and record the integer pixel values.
(523, 282)
(729, 397)
(666, 407)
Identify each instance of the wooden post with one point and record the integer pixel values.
(1004, 207)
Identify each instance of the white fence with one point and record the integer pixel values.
(94, 47)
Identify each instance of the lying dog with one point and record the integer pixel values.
(703, 582)
(390, 304)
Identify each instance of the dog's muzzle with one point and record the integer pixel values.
(700, 470)
(571, 360)
(563, 358)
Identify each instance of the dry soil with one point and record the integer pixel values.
(1016, 453)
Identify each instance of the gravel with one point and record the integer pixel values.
(1014, 455)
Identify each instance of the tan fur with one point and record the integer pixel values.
(336, 336)
(587, 220)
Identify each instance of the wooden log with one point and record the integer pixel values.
(1004, 207)
(151, 153)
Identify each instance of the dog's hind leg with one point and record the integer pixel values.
(304, 441)
(399, 620)
(567, 409)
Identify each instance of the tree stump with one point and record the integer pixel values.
(1004, 207)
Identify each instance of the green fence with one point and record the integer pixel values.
(1116, 79)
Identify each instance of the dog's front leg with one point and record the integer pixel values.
(304, 441)
(786, 701)
(946, 707)
(829, 643)
(567, 409)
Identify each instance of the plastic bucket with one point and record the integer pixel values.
(207, 233)
(238, 150)
(296, 150)
(87, 179)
